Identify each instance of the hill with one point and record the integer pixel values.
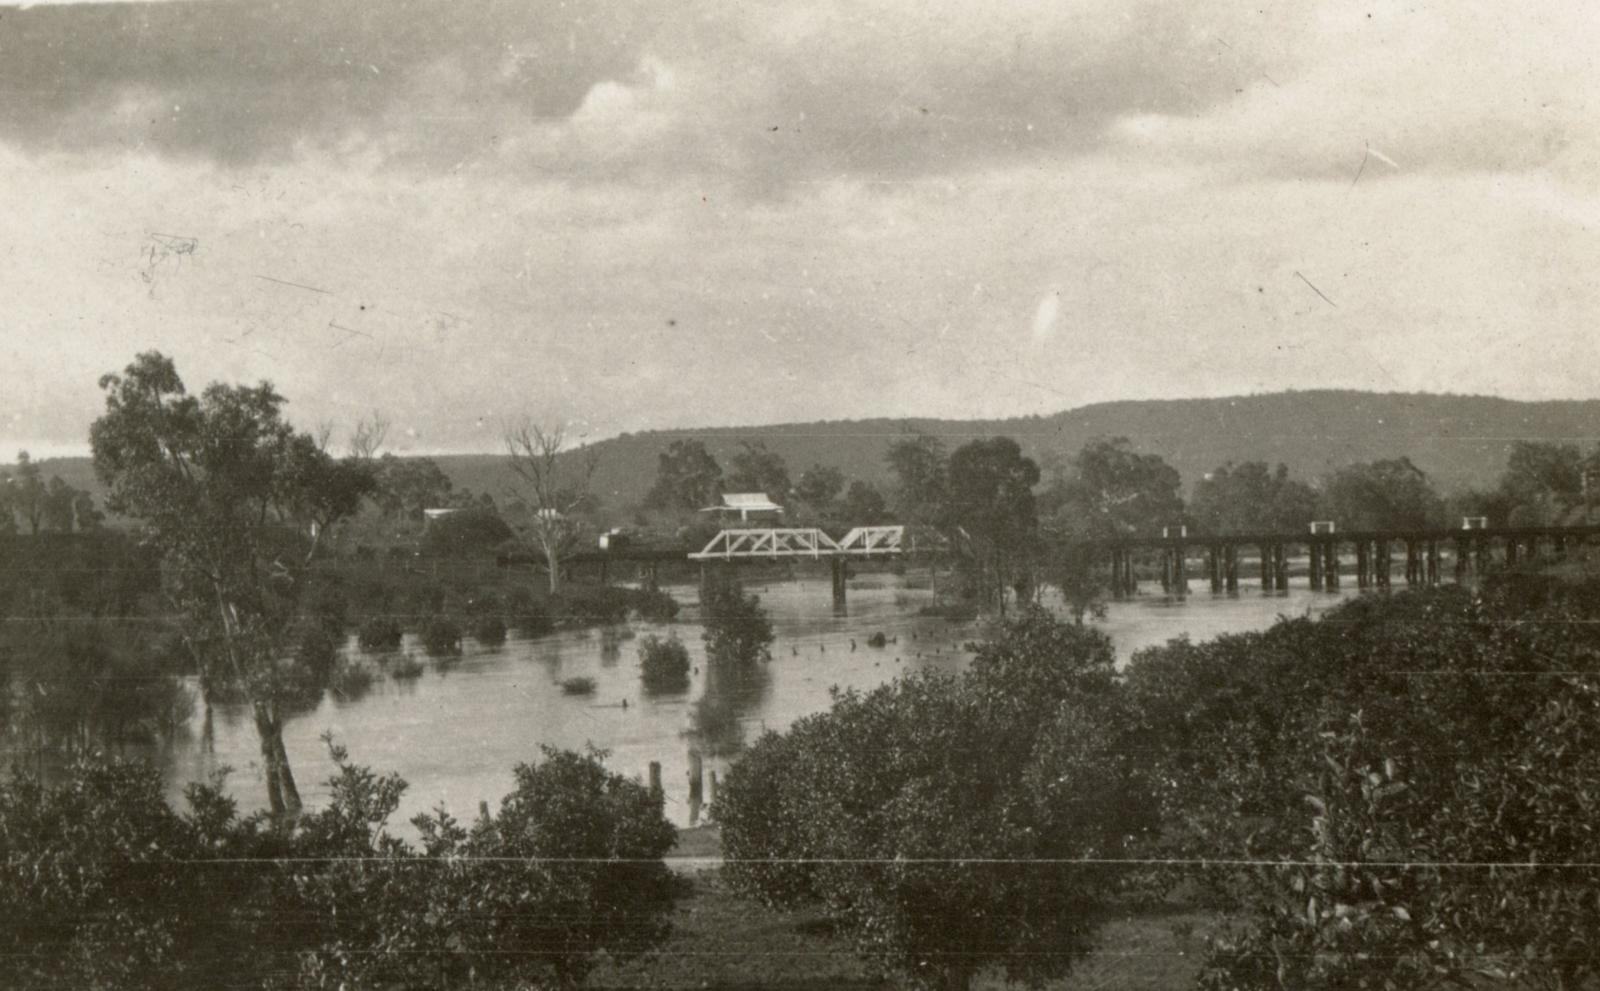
(1460, 441)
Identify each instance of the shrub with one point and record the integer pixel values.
(406, 668)
(877, 640)
(592, 605)
(442, 635)
(664, 664)
(577, 686)
(379, 633)
(950, 823)
(736, 627)
(654, 605)
(351, 679)
(529, 613)
(489, 631)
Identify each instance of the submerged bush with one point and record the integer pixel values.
(489, 631)
(379, 633)
(664, 664)
(736, 627)
(442, 635)
(577, 686)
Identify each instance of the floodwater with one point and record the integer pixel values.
(455, 731)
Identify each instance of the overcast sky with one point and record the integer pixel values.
(640, 215)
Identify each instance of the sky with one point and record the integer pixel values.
(631, 216)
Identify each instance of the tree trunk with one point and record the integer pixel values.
(283, 798)
(553, 561)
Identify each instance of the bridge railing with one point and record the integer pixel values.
(777, 542)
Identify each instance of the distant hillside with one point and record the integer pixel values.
(1460, 441)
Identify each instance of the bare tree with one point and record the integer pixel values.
(368, 437)
(553, 489)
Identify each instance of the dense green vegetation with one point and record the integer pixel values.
(1398, 795)
(103, 885)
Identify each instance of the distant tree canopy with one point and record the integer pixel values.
(1111, 490)
(863, 504)
(407, 486)
(1252, 498)
(989, 515)
(687, 478)
(42, 506)
(1380, 495)
(819, 486)
(1542, 483)
(918, 465)
(757, 469)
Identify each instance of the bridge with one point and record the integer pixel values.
(1471, 552)
(787, 542)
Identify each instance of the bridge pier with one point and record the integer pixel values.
(1280, 566)
(1363, 564)
(1230, 567)
(1264, 552)
(841, 575)
(1330, 555)
(1314, 552)
(1435, 570)
(1214, 566)
(1180, 570)
(1384, 570)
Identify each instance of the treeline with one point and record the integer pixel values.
(30, 504)
(1398, 795)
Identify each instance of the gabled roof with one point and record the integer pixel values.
(745, 502)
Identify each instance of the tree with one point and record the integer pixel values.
(989, 514)
(1392, 494)
(84, 511)
(1117, 490)
(687, 478)
(863, 505)
(756, 469)
(407, 486)
(237, 502)
(970, 837)
(918, 465)
(28, 493)
(553, 489)
(1252, 498)
(57, 509)
(1542, 483)
(819, 486)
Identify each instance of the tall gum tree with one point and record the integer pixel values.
(237, 502)
(553, 488)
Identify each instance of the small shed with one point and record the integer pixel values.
(745, 504)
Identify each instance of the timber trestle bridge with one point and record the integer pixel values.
(1373, 552)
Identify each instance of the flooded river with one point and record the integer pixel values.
(455, 731)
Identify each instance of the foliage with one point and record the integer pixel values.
(1116, 491)
(530, 613)
(737, 629)
(1542, 483)
(407, 486)
(818, 486)
(970, 836)
(663, 664)
(442, 635)
(918, 465)
(863, 504)
(757, 469)
(237, 502)
(688, 478)
(1484, 706)
(579, 685)
(1392, 494)
(379, 633)
(989, 515)
(489, 630)
(464, 533)
(1252, 498)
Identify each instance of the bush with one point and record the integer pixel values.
(592, 605)
(442, 635)
(946, 821)
(351, 679)
(736, 627)
(489, 631)
(577, 686)
(654, 605)
(406, 668)
(379, 633)
(104, 886)
(529, 613)
(664, 665)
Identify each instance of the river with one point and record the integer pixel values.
(455, 731)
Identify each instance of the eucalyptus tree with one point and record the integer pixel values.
(553, 489)
(237, 502)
